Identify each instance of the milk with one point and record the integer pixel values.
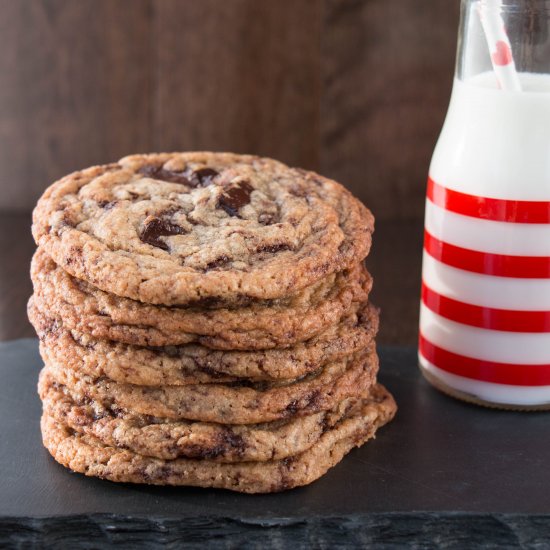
(494, 144)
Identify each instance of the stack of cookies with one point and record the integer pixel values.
(204, 320)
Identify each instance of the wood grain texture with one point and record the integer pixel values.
(76, 89)
(387, 74)
(354, 88)
(16, 250)
(395, 262)
(240, 76)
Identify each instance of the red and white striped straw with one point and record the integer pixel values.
(499, 45)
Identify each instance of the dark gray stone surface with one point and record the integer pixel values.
(442, 474)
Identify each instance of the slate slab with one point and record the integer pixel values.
(443, 475)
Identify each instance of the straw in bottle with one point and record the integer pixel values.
(499, 45)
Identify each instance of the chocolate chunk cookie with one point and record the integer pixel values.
(195, 364)
(86, 454)
(283, 323)
(201, 228)
(238, 403)
(161, 438)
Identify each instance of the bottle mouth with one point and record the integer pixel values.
(505, 36)
(516, 6)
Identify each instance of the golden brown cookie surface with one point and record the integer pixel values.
(200, 228)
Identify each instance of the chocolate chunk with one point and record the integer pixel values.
(235, 197)
(293, 407)
(107, 205)
(206, 302)
(218, 262)
(233, 441)
(159, 173)
(159, 228)
(313, 399)
(274, 247)
(207, 370)
(202, 177)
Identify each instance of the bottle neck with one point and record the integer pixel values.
(525, 24)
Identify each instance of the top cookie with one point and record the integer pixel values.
(201, 228)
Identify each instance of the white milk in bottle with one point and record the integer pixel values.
(485, 310)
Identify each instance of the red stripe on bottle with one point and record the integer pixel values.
(500, 265)
(485, 317)
(485, 371)
(500, 210)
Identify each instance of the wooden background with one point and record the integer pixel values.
(356, 89)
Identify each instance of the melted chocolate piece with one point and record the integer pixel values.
(218, 262)
(235, 197)
(159, 228)
(274, 247)
(107, 205)
(292, 408)
(159, 173)
(206, 302)
(202, 177)
(233, 441)
(313, 399)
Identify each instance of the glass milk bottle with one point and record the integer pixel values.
(485, 309)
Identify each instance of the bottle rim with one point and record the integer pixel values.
(515, 6)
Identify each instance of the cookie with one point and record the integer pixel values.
(86, 454)
(88, 310)
(160, 438)
(195, 364)
(238, 403)
(196, 228)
